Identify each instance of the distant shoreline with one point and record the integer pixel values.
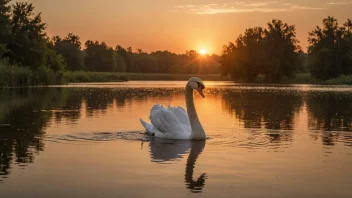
(69, 77)
(83, 76)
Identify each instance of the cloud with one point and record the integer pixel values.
(239, 7)
(340, 3)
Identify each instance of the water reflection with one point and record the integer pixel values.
(26, 116)
(271, 113)
(330, 113)
(162, 151)
(269, 110)
(24, 125)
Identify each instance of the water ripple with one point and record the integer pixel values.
(98, 137)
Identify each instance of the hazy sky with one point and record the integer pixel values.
(180, 25)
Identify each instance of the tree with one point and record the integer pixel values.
(102, 58)
(4, 25)
(192, 62)
(244, 58)
(302, 62)
(70, 48)
(27, 44)
(144, 63)
(165, 60)
(271, 51)
(280, 45)
(330, 49)
(126, 55)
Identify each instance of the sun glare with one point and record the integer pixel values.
(203, 51)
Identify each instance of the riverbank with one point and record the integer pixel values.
(21, 77)
(81, 76)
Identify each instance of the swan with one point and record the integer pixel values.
(175, 122)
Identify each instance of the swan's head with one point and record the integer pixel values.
(197, 84)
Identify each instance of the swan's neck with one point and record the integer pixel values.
(197, 129)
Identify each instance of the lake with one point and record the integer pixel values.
(86, 140)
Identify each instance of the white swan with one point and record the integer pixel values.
(175, 122)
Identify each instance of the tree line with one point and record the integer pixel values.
(274, 52)
(24, 42)
(98, 56)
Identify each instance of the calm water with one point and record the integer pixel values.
(85, 140)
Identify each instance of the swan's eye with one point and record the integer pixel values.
(200, 85)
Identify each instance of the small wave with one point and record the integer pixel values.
(98, 137)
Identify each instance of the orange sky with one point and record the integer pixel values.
(180, 25)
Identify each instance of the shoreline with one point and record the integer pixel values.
(101, 77)
(71, 78)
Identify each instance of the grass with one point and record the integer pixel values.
(81, 76)
(15, 76)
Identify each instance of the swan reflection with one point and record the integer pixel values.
(163, 150)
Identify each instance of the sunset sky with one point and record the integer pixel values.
(180, 25)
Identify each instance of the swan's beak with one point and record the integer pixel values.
(200, 90)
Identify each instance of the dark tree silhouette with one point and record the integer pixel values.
(272, 51)
(330, 49)
(4, 25)
(70, 48)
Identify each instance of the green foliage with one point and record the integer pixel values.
(27, 58)
(16, 76)
(303, 62)
(100, 57)
(243, 60)
(27, 44)
(330, 49)
(127, 57)
(56, 62)
(45, 76)
(271, 51)
(11, 75)
(280, 51)
(120, 63)
(4, 25)
(70, 49)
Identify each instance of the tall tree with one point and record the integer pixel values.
(330, 49)
(27, 41)
(102, 58)
(70, 48)
(243, 60)
(271, 51)
(281, 51)
(4, 24)
(126, 55)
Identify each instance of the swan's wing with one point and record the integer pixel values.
(151, 130)
(165, 120)
(181, 114)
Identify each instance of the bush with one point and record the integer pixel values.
(17, 76)
(12, 75)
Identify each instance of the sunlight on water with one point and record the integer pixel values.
(85, 140)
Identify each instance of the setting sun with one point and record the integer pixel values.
(202, 51)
